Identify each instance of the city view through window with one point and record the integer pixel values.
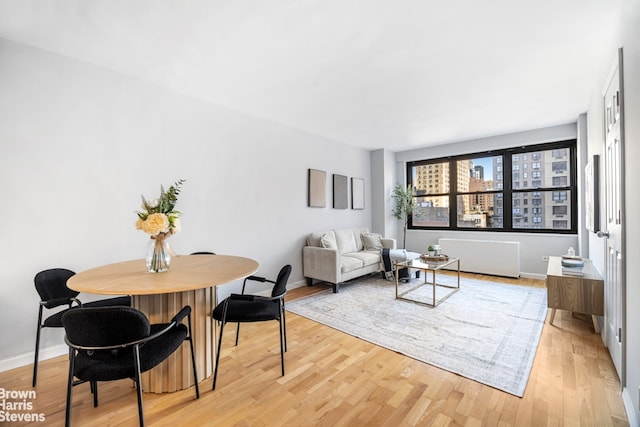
(524, 191)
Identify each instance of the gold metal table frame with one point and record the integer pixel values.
(426, 267)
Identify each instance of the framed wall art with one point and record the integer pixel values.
(317, 190)
(340, 192)
(357, 193)
(592, 194)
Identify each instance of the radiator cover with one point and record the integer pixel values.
(499, 258)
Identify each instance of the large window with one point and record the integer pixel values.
(432, 191)
(487, 191)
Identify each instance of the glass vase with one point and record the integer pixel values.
(158, 255)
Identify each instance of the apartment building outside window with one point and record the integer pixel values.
(486, 191)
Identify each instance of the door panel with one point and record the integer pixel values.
(614, 233)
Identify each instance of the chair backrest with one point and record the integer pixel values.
(105, 326)
(280, 287)
(52, 284)
(202, 253)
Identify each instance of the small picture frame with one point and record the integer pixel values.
(317, 189)
(592, 194)
(340, 192)
(357, 193)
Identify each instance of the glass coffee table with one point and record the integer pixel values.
(438, 292)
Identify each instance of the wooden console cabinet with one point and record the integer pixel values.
(578, 294)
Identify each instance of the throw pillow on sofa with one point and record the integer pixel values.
(328, 242)
(372, 242)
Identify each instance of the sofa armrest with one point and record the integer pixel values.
(388, 243)
(321, 264)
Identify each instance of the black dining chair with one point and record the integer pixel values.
(112, 343)
(243, 307)
(202, 253)
(51, 285)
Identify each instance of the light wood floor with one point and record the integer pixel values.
(334, 379)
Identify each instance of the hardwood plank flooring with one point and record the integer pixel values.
(334, 379)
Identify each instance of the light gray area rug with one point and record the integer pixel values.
(487, 331)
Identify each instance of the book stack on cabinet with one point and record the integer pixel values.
(572, 265)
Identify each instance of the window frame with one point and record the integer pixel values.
(505, 169)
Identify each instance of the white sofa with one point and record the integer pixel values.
(338, 255)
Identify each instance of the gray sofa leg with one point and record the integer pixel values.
(336, 287)
(309, 281)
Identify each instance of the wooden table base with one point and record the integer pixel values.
(176, 373)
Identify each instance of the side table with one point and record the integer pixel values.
(579, 294)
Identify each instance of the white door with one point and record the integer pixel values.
(613, 227)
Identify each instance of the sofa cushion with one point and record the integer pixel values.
(357, 233)
(367, 258)
(328, 241)
(372, 241)
(350, 263)
(346, 240)
(314, 238)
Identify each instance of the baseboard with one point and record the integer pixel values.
(27, 358)
(534, 276)
(297, 284)
(628, 407)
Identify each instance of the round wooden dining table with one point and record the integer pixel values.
(191, 280)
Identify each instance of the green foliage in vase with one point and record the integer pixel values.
(159, 215)
(405, 202)
(169, 198)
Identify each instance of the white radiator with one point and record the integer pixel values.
(484, 256)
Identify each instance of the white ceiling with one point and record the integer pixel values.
(393, 74)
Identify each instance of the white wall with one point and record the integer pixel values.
(79, 144)
(383, 172)
(532, 246)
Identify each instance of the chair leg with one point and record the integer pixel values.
(215, 371)
(67, 416)
(136, 355)
(193, 359)
(94, 390)
(284, 328)
(35, 360)
(281, 345)
(195, 372)
(237, 333)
